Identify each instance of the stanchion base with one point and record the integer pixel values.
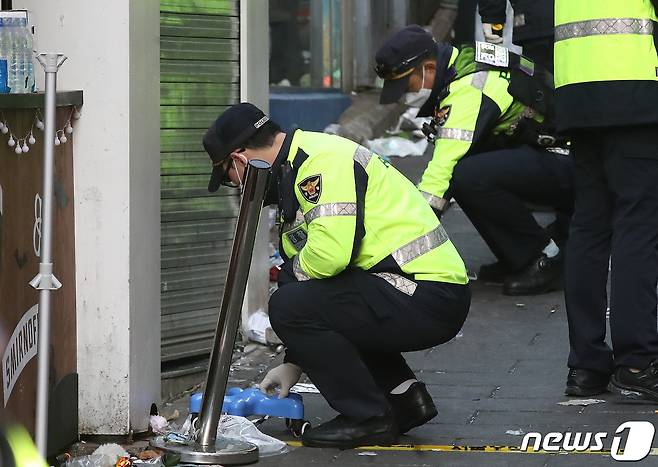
(225, 451)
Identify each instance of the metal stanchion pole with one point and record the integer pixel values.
(45, 280)
(208, 449)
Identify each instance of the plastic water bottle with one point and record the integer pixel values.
(19, 56)
(26, 66)
(13, 55)
(4, 69)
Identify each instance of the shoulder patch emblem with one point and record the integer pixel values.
(442, 114)
(311, 188)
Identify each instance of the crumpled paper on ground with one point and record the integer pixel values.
(582, 402)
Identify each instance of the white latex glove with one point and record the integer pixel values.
(489, 35)
(283, 376)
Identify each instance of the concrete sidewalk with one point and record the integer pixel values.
(501, 378)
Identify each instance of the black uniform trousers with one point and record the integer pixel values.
(615, 222)
(347, 332)
(493, 189)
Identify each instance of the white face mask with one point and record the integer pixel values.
(237, 172)
(418, 98)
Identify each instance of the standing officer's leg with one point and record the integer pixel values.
(588, 251)
(632, 167)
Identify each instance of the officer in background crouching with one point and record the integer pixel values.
(495, 147)
(369, 273)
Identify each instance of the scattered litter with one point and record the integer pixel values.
(88, 461)
(333, 129)
(257, 325)
(173, 416)
(159, 424)
(367, 453)
(397, 146)
(234, 427)
(305, 388)
(518, 432)
(582, 402)
(106, 455)
(110, 453)
(520, 305)
(148, 454)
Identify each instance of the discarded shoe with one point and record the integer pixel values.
(542, 275)
(585, 383)
(413, 408)
(345, 433)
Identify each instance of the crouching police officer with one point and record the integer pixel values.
(496, 108)
(369, 273)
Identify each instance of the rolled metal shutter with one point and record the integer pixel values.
(199, 78)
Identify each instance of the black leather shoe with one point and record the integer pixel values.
(636, 387)
(542, 275)
(345, 433)
(584, 383)
(495, 272)
(413, 408)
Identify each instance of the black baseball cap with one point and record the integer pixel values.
(229, 132)
(397, 58)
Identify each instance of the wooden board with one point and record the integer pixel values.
(21, 182)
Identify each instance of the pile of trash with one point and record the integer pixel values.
(230, 426)
(113, 455)
(406, 138)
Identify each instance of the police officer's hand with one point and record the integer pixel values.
(491, 35)
(283, 376)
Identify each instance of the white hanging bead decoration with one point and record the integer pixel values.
(31, 140)
(2, 125)
(69, 129)
(63, 138)
(4, 129)
(18, 150)
(76, 114)
(11, 141)
(57, 141)
(25, 147)
(39, 124)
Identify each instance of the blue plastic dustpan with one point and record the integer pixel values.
(251, 401)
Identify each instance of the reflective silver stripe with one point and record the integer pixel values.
(435, 201)
(420, 246)
(362, 155)
(600, 27)
(331, 209)
(479, 80)
(401, 283)
(455, 133)
(297, 269)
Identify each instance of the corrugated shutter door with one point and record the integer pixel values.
(199, 78)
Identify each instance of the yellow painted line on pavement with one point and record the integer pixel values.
(455, 448)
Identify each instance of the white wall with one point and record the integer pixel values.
(254, 88)
(113, 50)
